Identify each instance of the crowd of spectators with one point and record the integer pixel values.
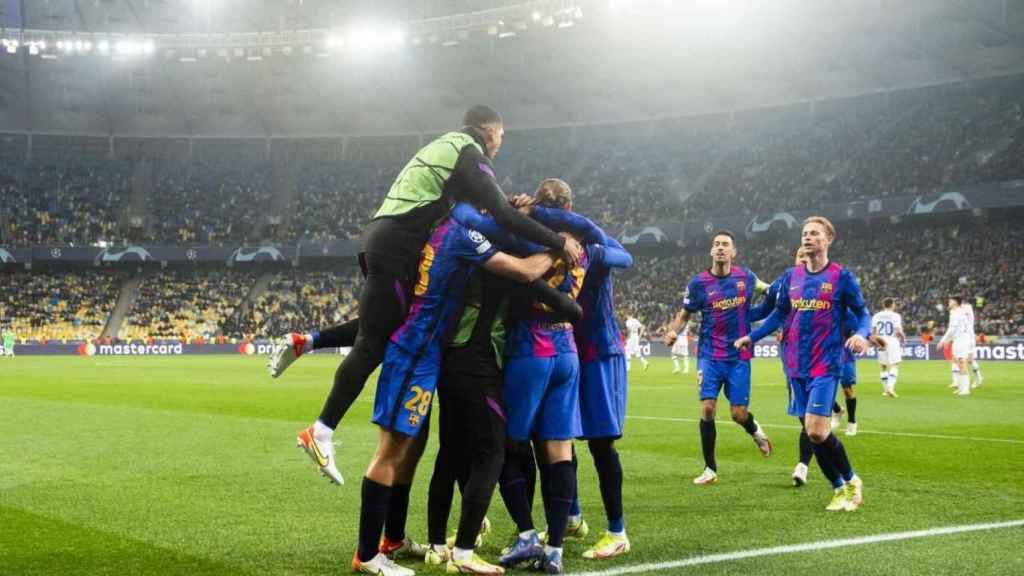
(300, 300)
(57, 307)
(920, 267)
(210, 202)
(737, 164)
(78, 202)
(189, 306)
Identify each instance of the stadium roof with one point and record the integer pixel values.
(611, 61)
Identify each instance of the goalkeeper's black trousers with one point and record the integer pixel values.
(383, 304)
(472, 452)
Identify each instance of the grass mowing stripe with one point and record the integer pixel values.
(879, 432)
(806, 547)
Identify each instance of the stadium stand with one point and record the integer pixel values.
(185, 305)
(57, 307)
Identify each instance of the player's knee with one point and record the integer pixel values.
(848, 392)
(739, 414)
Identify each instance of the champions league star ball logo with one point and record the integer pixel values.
(130, 253)
(476, 236)
(265, 253)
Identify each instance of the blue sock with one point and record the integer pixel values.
(839, 457)
(574, 509)
(618, 525)
(316, 339)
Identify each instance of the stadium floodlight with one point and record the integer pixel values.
(536, 16)
(507, 34)
(335, 41)
(567, 23)
(148, 46)
(86, 46)
(79, 46)
(548, 20)
(492, 30)
(103, 46)
(450, 43)
(11, 45)
(578, 13)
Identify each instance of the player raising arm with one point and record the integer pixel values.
(723, 295)
(811, 302)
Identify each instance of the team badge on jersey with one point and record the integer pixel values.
(826, 286)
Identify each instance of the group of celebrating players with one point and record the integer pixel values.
(505, 310)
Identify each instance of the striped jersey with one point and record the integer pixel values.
(724, 304)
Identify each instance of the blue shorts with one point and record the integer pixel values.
(848, 376)
(734, 375)
(603, 397)
(542, 397)
(405, 389)
(812, 396)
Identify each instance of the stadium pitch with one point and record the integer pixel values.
(136, 466)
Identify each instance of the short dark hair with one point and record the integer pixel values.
(480, 115)
(723, 233)
(888, 302)
(959, 299)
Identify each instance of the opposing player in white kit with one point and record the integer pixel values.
(888, 325)
(682, 348)
(969, 312)
(960, 331)
(634, 330)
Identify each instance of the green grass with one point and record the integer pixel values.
(136, 466)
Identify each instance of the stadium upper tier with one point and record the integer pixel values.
(214, 191)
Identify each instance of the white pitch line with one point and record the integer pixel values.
(879, 432)
(807, 547)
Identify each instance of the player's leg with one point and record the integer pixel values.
(376, 501)
(603, 388)
(675, 363)
(964, 383)
(482, 422)
(339, 336)
(609, 475)
(973, 361)
(442, 481)
(711, 379)
(850, 397)
(290, 347)
(806, 451)
(395, 543)
(525, 385)
(827, 448)
(884, 376)
(737, 390)
(383, 304)
(558, 422)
